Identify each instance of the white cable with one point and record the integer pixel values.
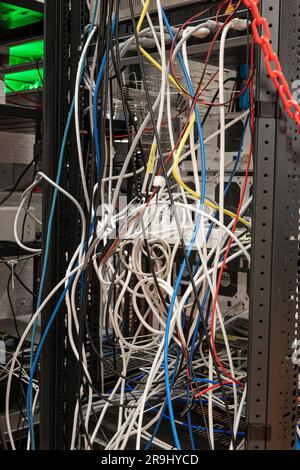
(18, 349)
(77, 124)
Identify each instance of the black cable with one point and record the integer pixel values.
(39, 72)
(138, 195)
(230, 79)
(85, 280)
(108, 365)
(82, 424)
(129, 119)
(14, 188)
(81, 327)
(116, 60)
(176, 218)
(86, 273)
(12, 307)
(22, 397)
(227, 20)
(18, 278)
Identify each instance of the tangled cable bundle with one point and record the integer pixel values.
(164, 344)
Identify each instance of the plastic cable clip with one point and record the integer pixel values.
(159, 182)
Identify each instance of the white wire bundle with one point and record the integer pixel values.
(138, 222)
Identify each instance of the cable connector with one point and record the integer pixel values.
(200, 33)
(159, 182)
(239, 24)
(212, 25)
(103, 213)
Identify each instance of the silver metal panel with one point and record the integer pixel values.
(36, 204)
(137, 5)
(21, 299)
(16, 149)
(7, 217)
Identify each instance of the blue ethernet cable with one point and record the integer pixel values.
(94, 15)
(166, 343)
(189, 419)
(158, 422)
(197, 114)
(236, 163)
(197, 224)
(212, 224)
(229, 182)
(39, 349)
(48, 240)
(45, 263)
(200, 428)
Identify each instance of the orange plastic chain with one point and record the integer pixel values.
(275, 73)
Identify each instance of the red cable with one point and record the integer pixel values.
(212, 387)
(205, 103)
(149, 129)
(117, 240)
(233, 231)
(198, 15)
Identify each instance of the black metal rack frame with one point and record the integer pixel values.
(273, 378)
(272, 382)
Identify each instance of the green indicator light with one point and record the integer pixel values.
(29, 52)
(23, 81)
(12, 17)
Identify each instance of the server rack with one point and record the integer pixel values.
(62, 35)
(273, 378)
(272, 374)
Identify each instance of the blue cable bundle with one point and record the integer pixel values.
(33, 362)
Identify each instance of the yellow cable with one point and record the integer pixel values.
(187, 188)
(142, 17)
(159, 67)
(229, 213)
(188, 129)
(145, 53)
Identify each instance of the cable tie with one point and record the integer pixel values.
(159, 182)
(239, 24)
(200, 33)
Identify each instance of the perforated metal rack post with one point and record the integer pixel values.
(272, 379)
(272, 385)
(58, 374)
